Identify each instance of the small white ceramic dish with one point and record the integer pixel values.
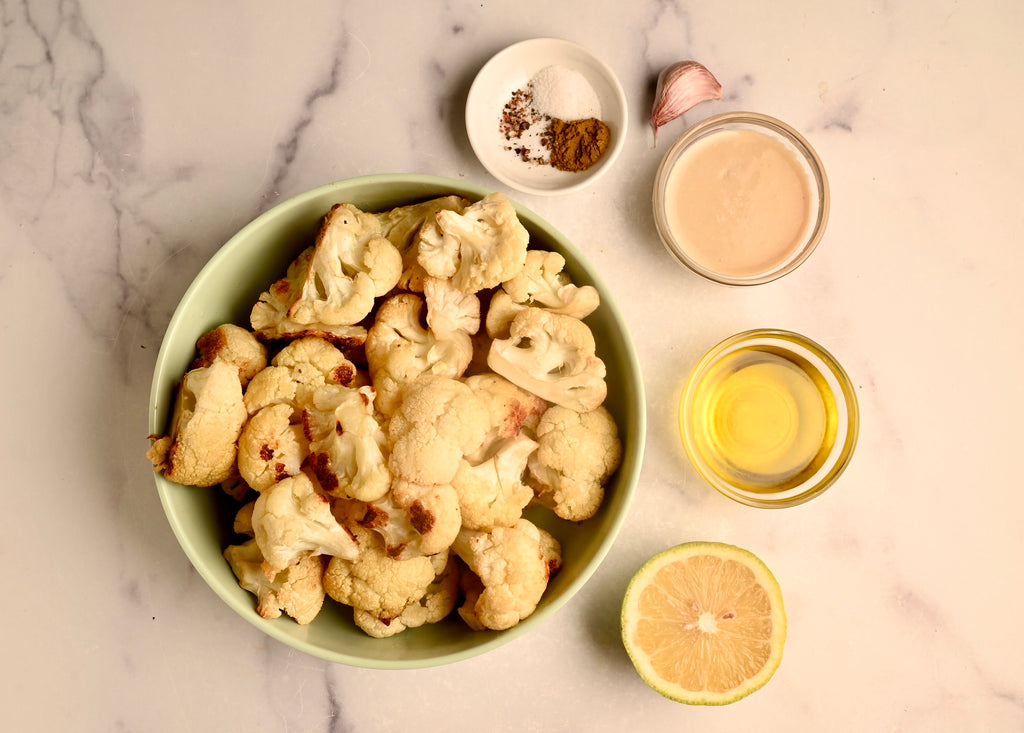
(512, 69)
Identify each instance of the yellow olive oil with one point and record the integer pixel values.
(763, 420)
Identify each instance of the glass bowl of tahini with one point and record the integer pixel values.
(741, 198)
(769, 418)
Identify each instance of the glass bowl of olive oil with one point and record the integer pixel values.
(769, 418)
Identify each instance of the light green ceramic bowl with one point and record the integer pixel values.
(225, 290)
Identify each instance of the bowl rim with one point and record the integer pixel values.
(574, 181)
(805, 153)
(634, 398)
(843, 391)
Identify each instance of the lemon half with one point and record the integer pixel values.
(704, 623)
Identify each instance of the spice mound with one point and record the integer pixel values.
(555, 120)
(577, 145)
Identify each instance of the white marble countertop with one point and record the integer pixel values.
(135, 138)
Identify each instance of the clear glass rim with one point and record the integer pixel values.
(732, 120)
(841, 387)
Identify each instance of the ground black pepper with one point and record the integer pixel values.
(517, 117)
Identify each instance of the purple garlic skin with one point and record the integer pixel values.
(681, 86)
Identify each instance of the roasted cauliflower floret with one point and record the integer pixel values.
(271, 447)
(348, 450)
(415, 519)
(543, 283)
(271, 386)
(512, 411)
(375, 582)
(399, 348)
(576, 455)
(438, 422)
(492, 493)
(439, 601)
(291, 520)
(478, 248)
(513, 570)
(452, 315)
(352, 263)
(402, 345)
(209, 412)
(270, 316)
(552, 356)
(234, 345)
(330, 287)
(297, 371)
(314, 362)
(551, 551)
(401, 226)
(298, 590)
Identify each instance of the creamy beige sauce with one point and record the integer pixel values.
(738, 202)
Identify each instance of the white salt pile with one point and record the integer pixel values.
(564, 93)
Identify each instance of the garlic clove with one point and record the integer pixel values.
(682, 86)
